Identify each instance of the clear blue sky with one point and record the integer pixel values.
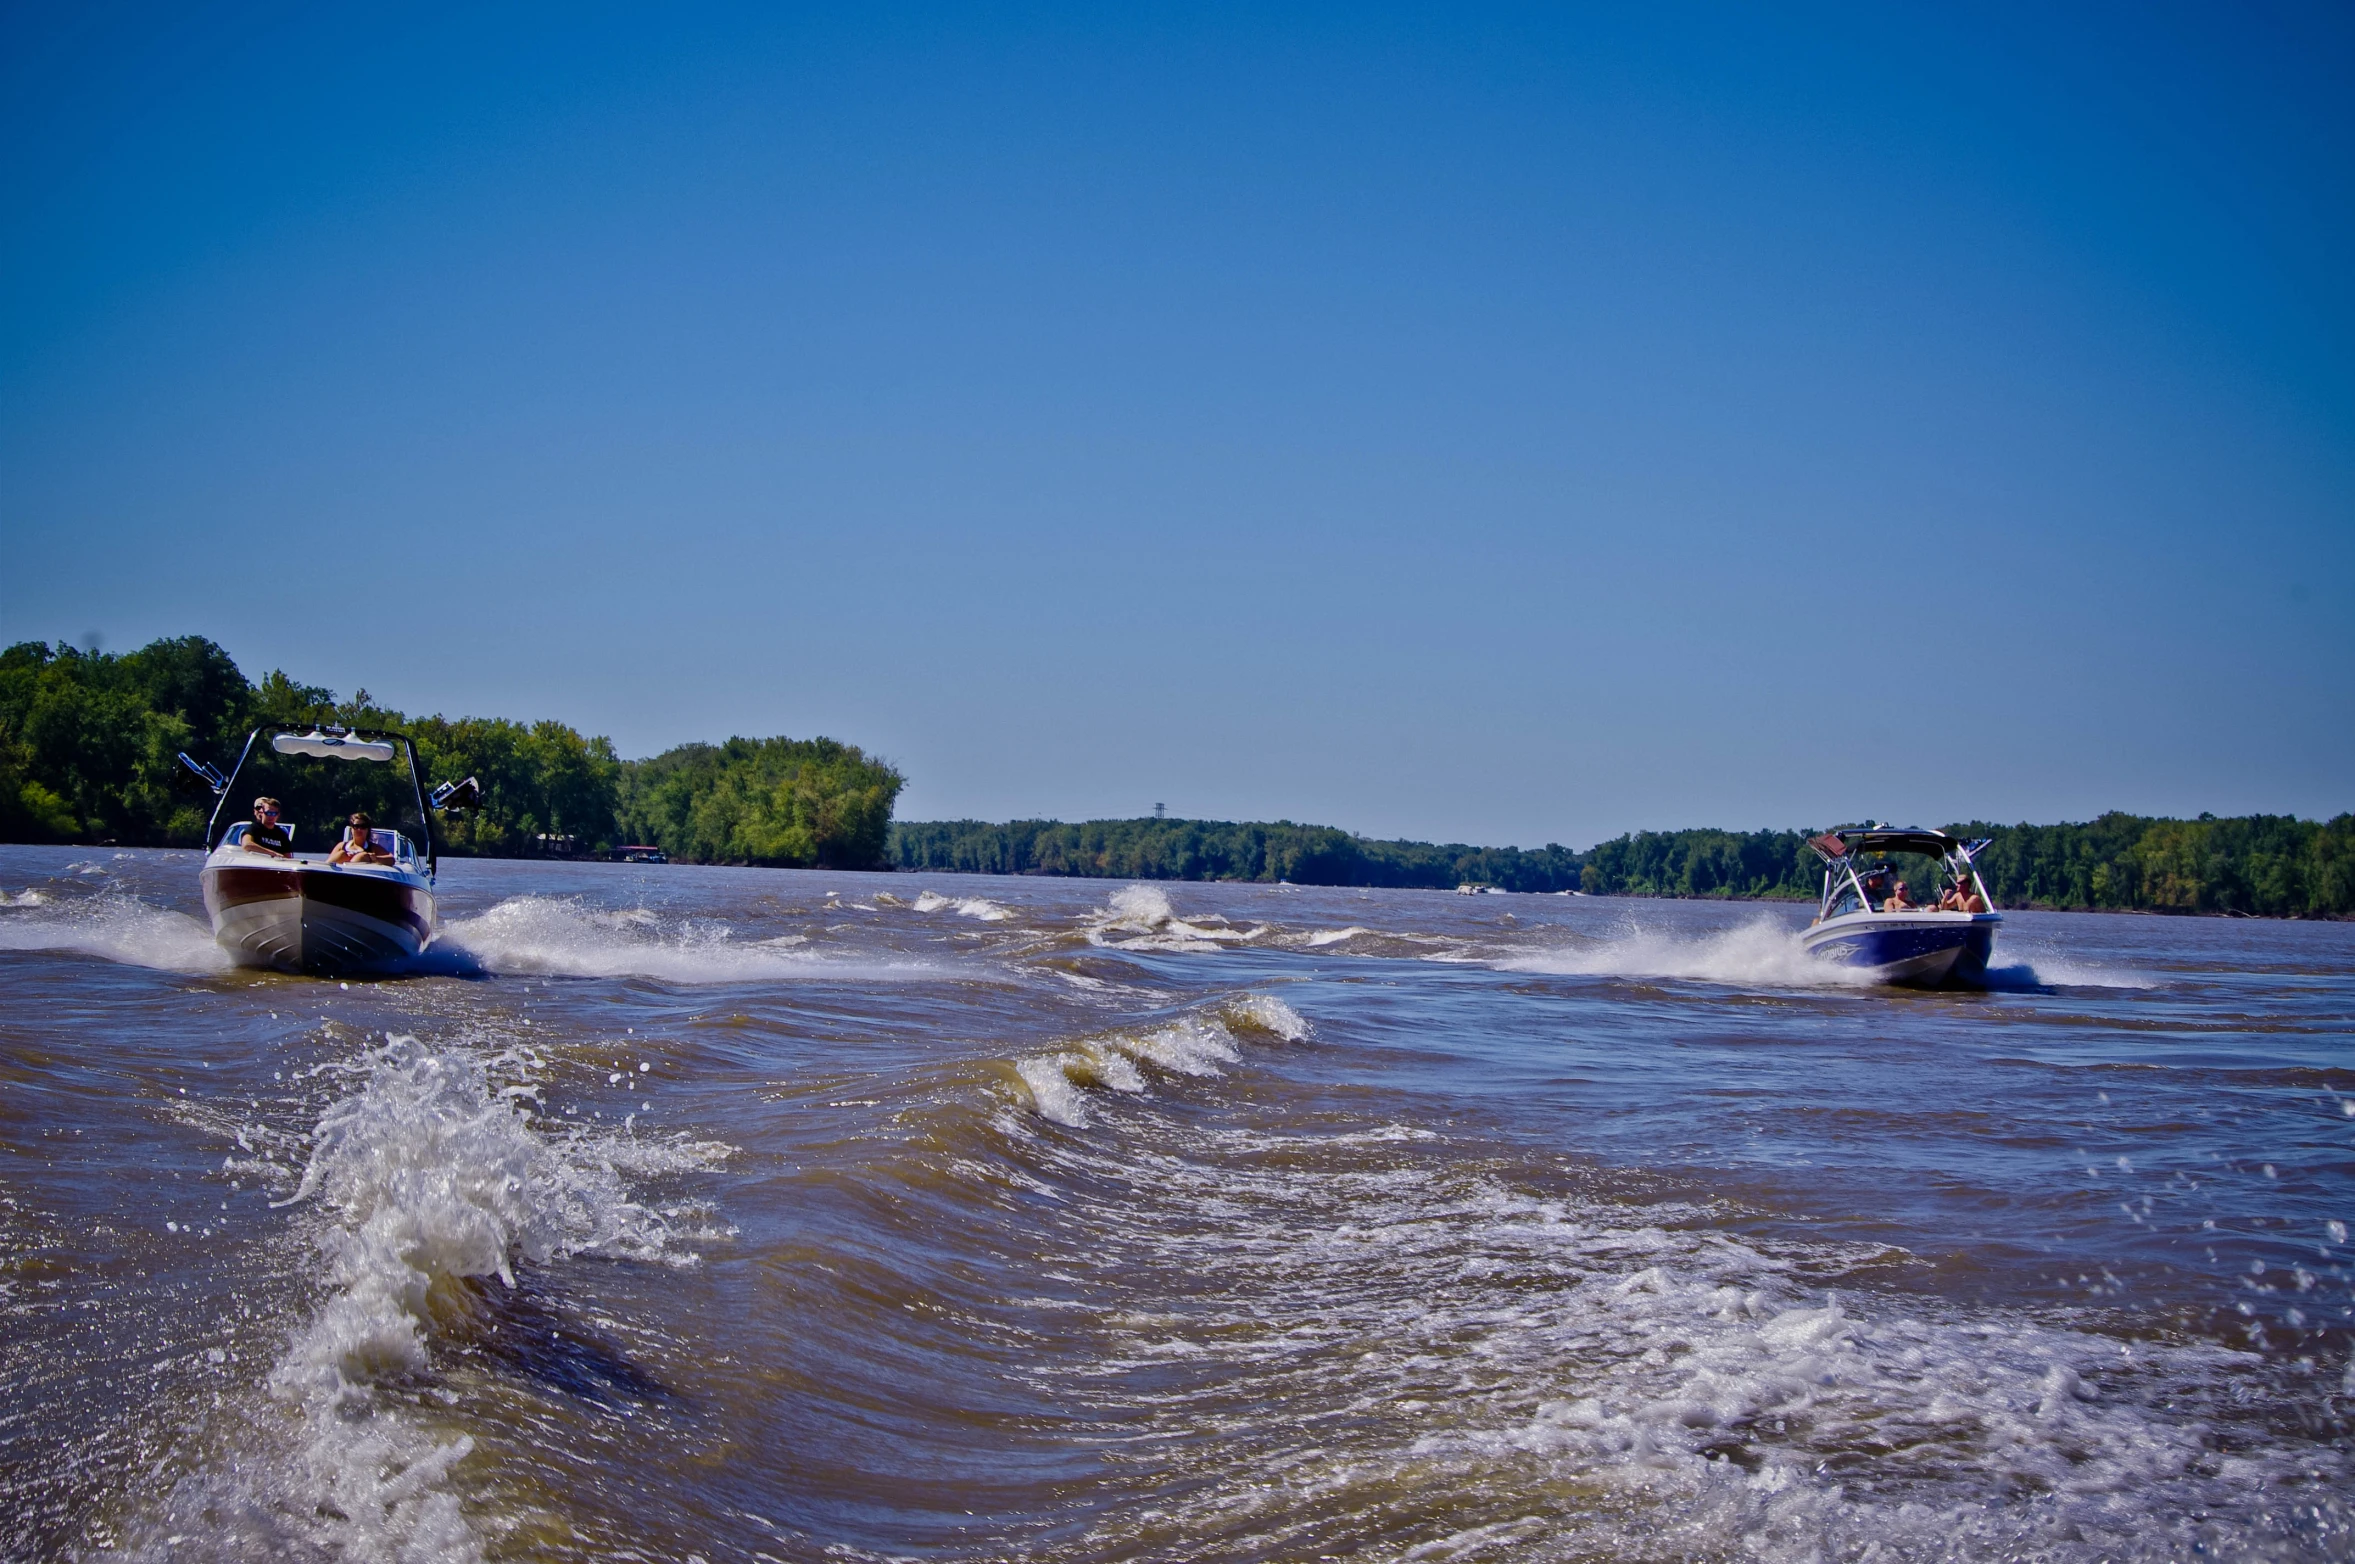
(1508, 425)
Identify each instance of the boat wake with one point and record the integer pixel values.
(1762, 953)
(1057, 1084)
(559, 937)
(425, 1182)
(524, 935)
(1657, 1389)
(113, 926)
(2046, 969)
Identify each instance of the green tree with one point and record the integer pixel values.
(778, 801)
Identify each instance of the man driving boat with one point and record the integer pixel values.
(266, 835)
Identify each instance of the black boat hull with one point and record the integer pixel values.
(312, 917)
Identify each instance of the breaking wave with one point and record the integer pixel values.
(980, 907)
(425, 1182)
(1057, 1084)
(1140, 918)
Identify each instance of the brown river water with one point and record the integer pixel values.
(682, 1213)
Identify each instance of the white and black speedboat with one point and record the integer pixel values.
(299, 912)
(1920, 946)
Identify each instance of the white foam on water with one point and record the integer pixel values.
(559, 937)
(2037, 966)
(1801, 1382)
(1759, 953)
(32, 896)
(1633, 1383)
(115, 927)
(1143, 914)
(1139, 907)
(1054, 1083)
(1336, 936)
(1192, 1045)
(427, 1178)
(1267, 1013)
(980, 907)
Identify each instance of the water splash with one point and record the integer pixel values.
(425, 1181)
(1760, 953)
(980, 907)
(114, 927)
(1141, 918)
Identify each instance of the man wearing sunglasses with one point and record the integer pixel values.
(266, 835)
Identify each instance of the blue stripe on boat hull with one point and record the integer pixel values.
(1896, 949)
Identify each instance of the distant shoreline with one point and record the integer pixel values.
(2272, 866)
(88, 743)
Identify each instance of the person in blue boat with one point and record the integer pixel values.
(1963, 897)
(1898, 901)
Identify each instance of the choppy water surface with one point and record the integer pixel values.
(731, 1214)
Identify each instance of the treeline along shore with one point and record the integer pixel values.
(1158, 849)
(2259, 865)
(88, 742)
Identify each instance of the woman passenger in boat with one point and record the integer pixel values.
(266, 835)
(359, 844)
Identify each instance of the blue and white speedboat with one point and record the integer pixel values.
(1944, 941)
